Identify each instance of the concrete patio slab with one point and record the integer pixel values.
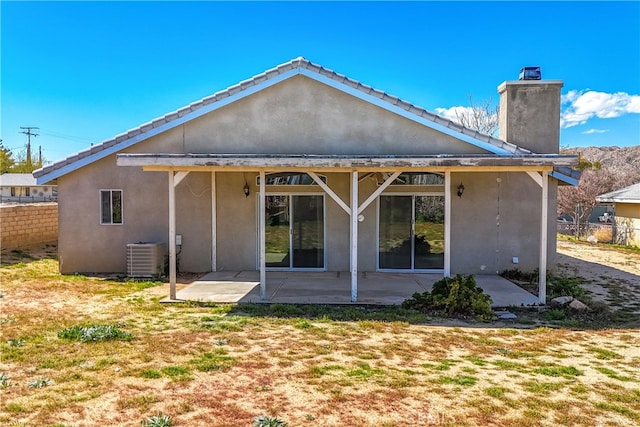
(335, 288)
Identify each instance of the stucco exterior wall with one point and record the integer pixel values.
(298, 116)
(628, 222)
(492, 223)
(302, 116)
(530, 114)
(28, 224)
(84, 244)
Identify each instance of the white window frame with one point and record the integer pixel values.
(290, 195)
(413, 214)
(323, 178)
(111, 190)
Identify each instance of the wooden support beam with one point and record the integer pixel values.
(361, 162)
(330, 192)
(172, 236)
(378, 191)
(447, 224)
(179, 176)
(262, 237)
(354, 236)
(542, 285)
(214, 223)
(536, 177)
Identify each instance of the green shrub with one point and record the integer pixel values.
(39, 383)
(159, 420)
(457, 296)
(94, 333)
(266, 421)
(4, 380)
(562, 286)
(555, 314)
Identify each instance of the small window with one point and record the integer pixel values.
(27, 191)
(20, 191)
(290, 178)
(110, 206)
(418, 178)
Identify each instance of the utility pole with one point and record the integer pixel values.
(39, 155)
(29, 134)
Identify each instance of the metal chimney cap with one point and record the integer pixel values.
(530, 73)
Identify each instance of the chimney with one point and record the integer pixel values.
(530, 113)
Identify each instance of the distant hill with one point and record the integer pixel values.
(623, 162)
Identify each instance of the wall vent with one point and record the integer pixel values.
(145, 259)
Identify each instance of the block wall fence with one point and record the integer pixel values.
(28, 224)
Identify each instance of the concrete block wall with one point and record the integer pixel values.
(28, 224)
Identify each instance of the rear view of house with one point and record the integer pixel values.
(303, 169)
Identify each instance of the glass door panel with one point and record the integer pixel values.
(395, 245)
(429, 232)
(308, 232)
(277, 232)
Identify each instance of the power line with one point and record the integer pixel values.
(29, 135)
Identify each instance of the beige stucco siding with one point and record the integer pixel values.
(498, 218)
(86, 246)
(628, 218)
(297, 116)
(302, 116)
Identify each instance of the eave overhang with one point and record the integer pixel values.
(363, 163)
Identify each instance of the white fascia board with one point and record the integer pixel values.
(404, 113)
(165, 127)
(564, 178)
(616, 200)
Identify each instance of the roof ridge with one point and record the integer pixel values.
(297, 63)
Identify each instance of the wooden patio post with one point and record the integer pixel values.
(262, 237)
(172, 237)
(447, 224)
(214, 224)
(354, 236)
(542, 285)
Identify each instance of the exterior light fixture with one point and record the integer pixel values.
(246, 189)
(460, 190)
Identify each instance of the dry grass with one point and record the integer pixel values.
(221, 365)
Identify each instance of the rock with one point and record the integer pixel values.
(592, 239)
(578, 305)
(564, 300)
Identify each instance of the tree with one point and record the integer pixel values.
(578, 202)
(482, 117)
(23, 165)
(6, 159)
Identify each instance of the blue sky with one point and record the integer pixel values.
(85, 71)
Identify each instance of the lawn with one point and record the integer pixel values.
(224, 365)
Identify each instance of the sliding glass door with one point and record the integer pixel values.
(294, 231)
(411, 232)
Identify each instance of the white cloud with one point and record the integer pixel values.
(590, 131)
(453, 113)
(584, 105)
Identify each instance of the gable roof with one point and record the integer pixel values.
(298, 66)
(630, 194)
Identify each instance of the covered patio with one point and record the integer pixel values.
(374, 288)
(329, 287)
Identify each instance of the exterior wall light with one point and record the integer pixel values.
(460, 190)
(246, 189)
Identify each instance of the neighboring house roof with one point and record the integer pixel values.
(630, 194)
(18, 180)
(264, 80)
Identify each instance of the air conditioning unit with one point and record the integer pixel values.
(145, 259)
